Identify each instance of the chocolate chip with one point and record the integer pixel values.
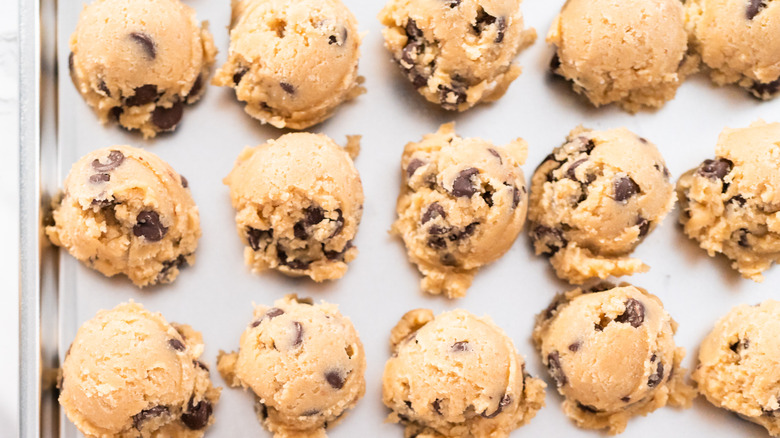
(626, 399)
(153, 412)
(239, 74)
(570, 173)
(601, 286)
(575, 347)
(115, 112)
(742, 237)
(257, 237)
(487, 196)
(196, 88)
(146, 42)
(299, 230)
(644, 226)
(550, 310)
(197, 416)
(587, 408)
(412, 31)
(715, 169)
(114, 160)
(335, 379)
(149, 227)
(70, 62)
(413, 166)
(337, 255)
(467, 231)
(437, 242)
(418, 80)
(142, 95)
(634, 313)
(201, 365)
(516, 197)
(766, 90)
(184, 182)
(273, 312)
(298, 334)
(432, 212)
(738, 199)
(656, 377)
(102, 203)
(450, 96)
(339, 224)
(551, 238)
(437, 406)
(454, 3)
(168, 265)
(505, 401)
(460, 347)
(755, 7)
(167, 118)
(104, 88)
(495, 153)
(501, 25)
(438, 230)
(554, 367)
(625, 188)
(462, 186)
(339, 39)
(740, 345)
(287, 87)
(99, 178)
(483, 20)
(310, 413)
(176, 344)
(448, 259)
(555, 62)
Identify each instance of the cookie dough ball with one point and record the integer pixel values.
(292, 62)
(304, 362)
(129, 373)
(139, 61)
(731, 205)
(738, 364)
(739, 40)
(298, 201)
(630, 52)
(456, 53)
(594, 199)
(457, 375)
(462, 204)
(125, 211)
(611, 353)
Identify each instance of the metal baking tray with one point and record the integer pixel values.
(215, 296)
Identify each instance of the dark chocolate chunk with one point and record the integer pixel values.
(766, 90)
(167, 118)
(448, 259)
(103, 203)
(197, 416)
(467, 231)
(575, 346)
(238, 75)
(451, 96)
(625, 188)
(146, 42)
(644, 226)
(738, 199)
(656, 377)
(149, 227)
(168, 265)
(412, 31)
(554, 367)
(99, 178)
(176, 344)
(626, 399)
(104, 88)
(570, 172)
(438, 230)
(155, 411)
(454, 3)
(115, 112)
(715, 169)
(505, 401)
(273, 312)
(339, 224)
(634, 313)
(143, 95)
(201, 365)
(501, 25)
(551, 238)
(740, 345)
(463, 186)
(515, 197)
(487, 196)
(413, 166)
(287, 87)
(335, 379)
(196, 88)
(437, 242)
(115, 159)
(337, 255)
(755, 7)
(555, 62)
(495, 153)
(432, 212)
(339, 39)
(299, 230)
(587, 408)
(483, 20)
(313, 215)
(437, 406)
(601, 286)
(298, 334)
(257, 237)
(310, 413)
(742, 237)
(460, 347)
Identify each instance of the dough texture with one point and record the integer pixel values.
(131, 374)
(139, 61)
(462, 204)
(304, 362)
(738, 364)
(298, 201)
(594, 199)
(292, 62)
(739, 40)
(731, 205)
(611, 353)
(125, 211)
(457, 375)
(629, 52)
(456, 53)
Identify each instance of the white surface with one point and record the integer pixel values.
(215, 296)
(9, 180)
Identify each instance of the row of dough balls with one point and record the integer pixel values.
(293, 62)
(462, 204)
(609, 350)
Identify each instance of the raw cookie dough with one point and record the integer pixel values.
(731, 205)
(594, 199)
(738, 364)
(298, 201)
(739, 40)
(611, 353)
(457, 375)
(462, 204)
(131, 374)
(139, 61)
(126, 211)
(292, 62)
(456, 53)
(631, 52)
(304, 362)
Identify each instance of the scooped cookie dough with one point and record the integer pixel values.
(594, 199)
(139, 61)
(611, 353)
(737, 367)
(629, 52)
(457, 375)
(131, 374)
(292, 62)
(304, 362)
(462, 204)
(456, 53)
(731, 205)
(125, 211)
(298, 201)
(739, 40)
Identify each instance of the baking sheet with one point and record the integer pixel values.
(215, 296)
